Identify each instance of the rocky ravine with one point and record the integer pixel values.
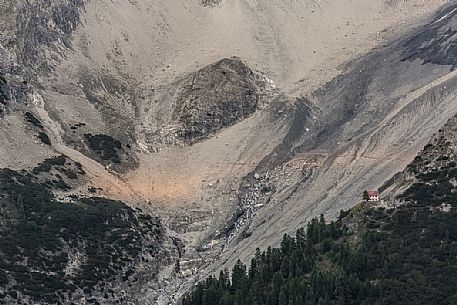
(148, 100)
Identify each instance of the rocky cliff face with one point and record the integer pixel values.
(30, 32)
(435, 43)
(431, 177)
(218, 96)
(202, 104)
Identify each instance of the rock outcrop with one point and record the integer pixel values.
(203, 103)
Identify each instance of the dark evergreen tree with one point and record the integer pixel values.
(405, 256)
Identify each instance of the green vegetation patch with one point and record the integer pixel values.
(32, 119)
(53, 171)
(41, 238)
(410, 257)
(44, 138)
(104, 146)
(49, 164)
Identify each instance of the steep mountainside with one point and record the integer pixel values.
(73, 250)
(369, 123)
(201, 104)
(399, 251)
(200, 130)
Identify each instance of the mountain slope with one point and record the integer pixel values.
(370, 123)
(232, 121)
(78, 249)
(399, 251)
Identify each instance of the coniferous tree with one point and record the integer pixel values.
(324, 266)
(365, 196)
(238, 275)
(282, 299)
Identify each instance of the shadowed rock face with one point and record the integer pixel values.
(203, 103)
(431, 175)
(15, 89)
(215, 97)
(436, 42)
(36, 24)
(42, 23)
